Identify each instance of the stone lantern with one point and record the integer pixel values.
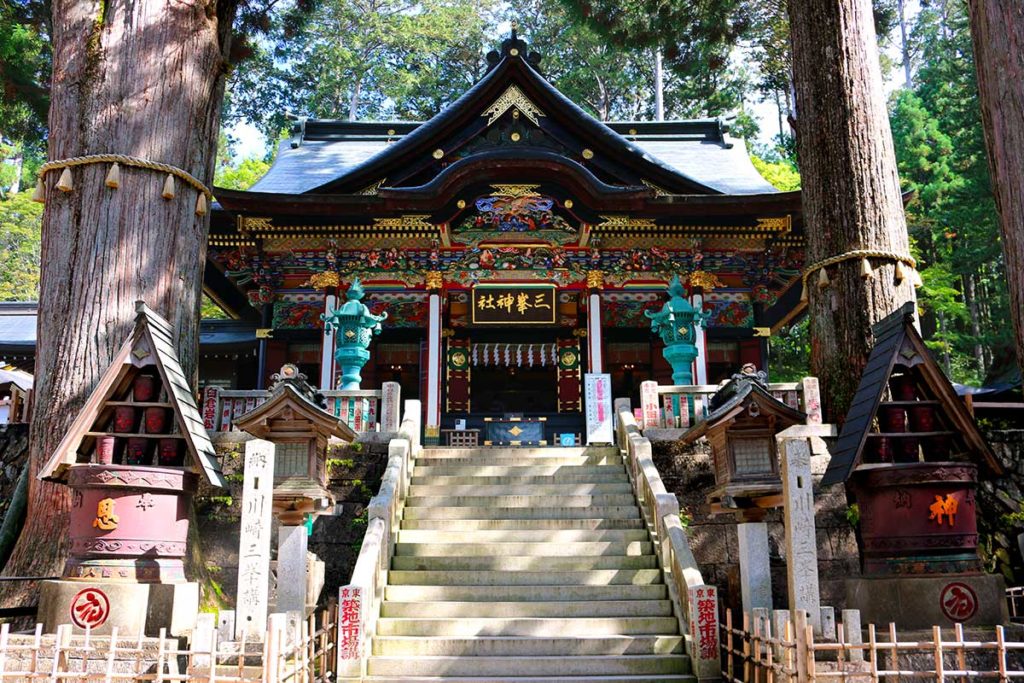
(299, 428)
(133, 458)
(355, 326)
(676, 323)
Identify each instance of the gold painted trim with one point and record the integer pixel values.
(513, 98)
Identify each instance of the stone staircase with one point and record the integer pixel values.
(525, 564)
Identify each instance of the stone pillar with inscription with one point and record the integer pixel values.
(390, 407)
(755, 568)
(254, 541)
(649, 405)
(292, 550)
(798, 510)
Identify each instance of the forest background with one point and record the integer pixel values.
(408, 59)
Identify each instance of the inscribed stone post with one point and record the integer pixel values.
(801, 544)
(390, 406)
(254, 546)
(292, 548)
(649, 404)
(702, 602)
(755, 568)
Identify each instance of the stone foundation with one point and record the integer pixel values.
(920, 602)
(132, 607)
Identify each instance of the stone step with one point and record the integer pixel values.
(525, 470)
(566, 549)
(568, 489)
(504, 593)
(504, 646)
(597, 500)
(524, 563)
(518, 452)
(578, 512)
(630, 665)
(583, 626)
(522, 524)
(596, 577)
(567, 475)
(646, 678)
(520, 535)
(588, 608)
(512, 460)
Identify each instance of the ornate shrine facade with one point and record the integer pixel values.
(515, 243)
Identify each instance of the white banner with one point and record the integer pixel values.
(598, 403)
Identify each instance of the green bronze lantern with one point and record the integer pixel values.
(353, 326)
(676, 323)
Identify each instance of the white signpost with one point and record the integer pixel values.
(649, 404)
(598, 402)
(254, 545)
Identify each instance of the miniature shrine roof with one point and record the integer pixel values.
(732, 396)
(897, 342)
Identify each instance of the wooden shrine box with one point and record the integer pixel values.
(910, 455)
(741, 427)
(133, 458)
(300, 430)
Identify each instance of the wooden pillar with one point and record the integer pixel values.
(432, 424)
(327, 343)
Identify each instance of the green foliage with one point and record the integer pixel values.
(240, 177)
(952, 218)
(363, 59)
(209, 310)
(782, 174)
(20, 231)
(853, 515)
(789, 353)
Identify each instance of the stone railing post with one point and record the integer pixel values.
(706, 656)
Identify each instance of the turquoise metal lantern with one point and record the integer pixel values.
(676, 323)
(353, 326)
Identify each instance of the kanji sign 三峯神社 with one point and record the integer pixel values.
(513, 304)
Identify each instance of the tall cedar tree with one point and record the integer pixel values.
(851, 190)
(137, 77)
(997, 29)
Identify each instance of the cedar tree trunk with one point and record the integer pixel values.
(997, 29)
(851, 192)
(143, 78)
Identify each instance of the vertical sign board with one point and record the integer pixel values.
(598, 399)
(390, 406)
(649, 404)
(254, 545)
(703, 608)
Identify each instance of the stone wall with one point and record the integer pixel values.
(355, 478)
(688, 474)
(998, 498)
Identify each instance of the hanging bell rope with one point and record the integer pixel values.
(903, 261)
(113, 179)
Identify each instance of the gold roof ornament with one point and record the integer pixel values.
(434, 280)
(328, 278)
(372, 189)
(705, 280)
(595, 279)
(513, 98)
(780, 224)
(405, 221)
(626, 222)
(515, 191)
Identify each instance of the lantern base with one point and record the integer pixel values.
(131, 607)
(920, 602)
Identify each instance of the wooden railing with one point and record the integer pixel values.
(685, 405)
(292, 650)
(360, 409)
(759, 652)
(359, 600)
(694, 602)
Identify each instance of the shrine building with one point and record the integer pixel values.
(515, 243)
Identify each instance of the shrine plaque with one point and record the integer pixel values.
(523, 304)
(598, 404)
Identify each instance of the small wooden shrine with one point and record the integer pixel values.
(741, 427)
(910, 454)
(134, 456)
(300, 429)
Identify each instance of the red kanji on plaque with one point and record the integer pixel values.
(704, 621)
(350, 624)
(90, 608)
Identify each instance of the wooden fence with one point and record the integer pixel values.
(302, 651)
(752, 653)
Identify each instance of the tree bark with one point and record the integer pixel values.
(851, 192)
(143, 78)
(997, 30)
